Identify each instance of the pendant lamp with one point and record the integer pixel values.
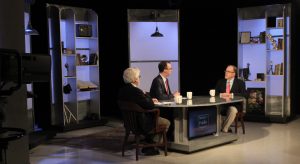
(29, 29)
(156, 33)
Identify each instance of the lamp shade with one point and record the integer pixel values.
(157, 33)
(30, 30)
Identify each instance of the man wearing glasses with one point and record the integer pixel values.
(160, 88)
(227, 88)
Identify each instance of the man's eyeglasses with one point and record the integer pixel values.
(140, 76)
(169, 68)
(228, 72)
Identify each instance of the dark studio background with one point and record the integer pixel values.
(208, 42)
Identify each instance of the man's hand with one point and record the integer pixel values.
(154, 100)
(225, 95)
(176, 94)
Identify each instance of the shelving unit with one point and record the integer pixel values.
(268, 61)
(73, 45)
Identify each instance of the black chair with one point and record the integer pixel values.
(239, 117)
(131, 111)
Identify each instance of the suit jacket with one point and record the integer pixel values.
(136, 95)
(133, 94)
(158, 89)
(238, 89)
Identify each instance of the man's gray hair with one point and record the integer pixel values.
(131, 74)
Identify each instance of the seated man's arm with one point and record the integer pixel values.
(241, 89)
(157, 91)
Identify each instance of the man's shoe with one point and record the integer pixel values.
(229, 131)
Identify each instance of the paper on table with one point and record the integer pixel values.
(164, 103)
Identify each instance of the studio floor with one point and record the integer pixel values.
(263, 143)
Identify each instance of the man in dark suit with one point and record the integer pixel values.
(160, 88)
(131, 92)
(227, 88)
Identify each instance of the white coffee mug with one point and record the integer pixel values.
(212, 92)
(178, 99)
(189, 95)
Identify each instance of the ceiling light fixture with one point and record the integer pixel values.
(156, 33)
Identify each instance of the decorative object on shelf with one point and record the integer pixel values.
(260, 77)
(156, 33)
(67, 89)
(273, 41)
(83, 60)
(246, 72)
(254, 40)
(67, 68)
(255, 101)
(93, 59)
(83, 30)
(262, 37)
(280, 22)
(245, 37)
(270, 70)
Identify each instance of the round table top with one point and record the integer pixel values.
(200, 101)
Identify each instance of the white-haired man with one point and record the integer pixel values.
(131, 92)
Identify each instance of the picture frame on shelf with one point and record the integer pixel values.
(255, 101)
(83, 30)
(280, 23)
(260, 77)
(245, 37)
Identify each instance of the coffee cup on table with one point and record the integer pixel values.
(178, 99)
(212, 92)
(189, 95)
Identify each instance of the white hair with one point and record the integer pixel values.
(131, 74)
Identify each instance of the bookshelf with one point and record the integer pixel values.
(74, 48)
(267, 57)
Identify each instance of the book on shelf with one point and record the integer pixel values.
(278, 69)
(86, 85)
(78, 59)
(280, 44)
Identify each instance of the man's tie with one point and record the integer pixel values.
(167, 87)
(228, 87)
